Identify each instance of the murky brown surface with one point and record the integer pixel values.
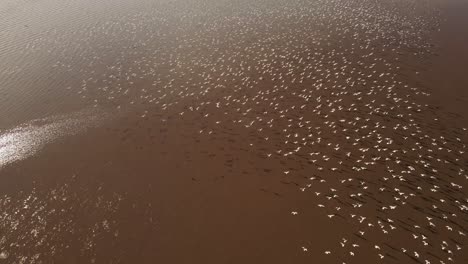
(233, 132)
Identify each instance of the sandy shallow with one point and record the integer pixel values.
(233, 132)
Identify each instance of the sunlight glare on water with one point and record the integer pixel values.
(23, 141)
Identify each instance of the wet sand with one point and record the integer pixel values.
(233, 132)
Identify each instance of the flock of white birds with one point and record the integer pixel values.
(331, 86)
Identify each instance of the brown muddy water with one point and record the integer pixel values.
(205, 131)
